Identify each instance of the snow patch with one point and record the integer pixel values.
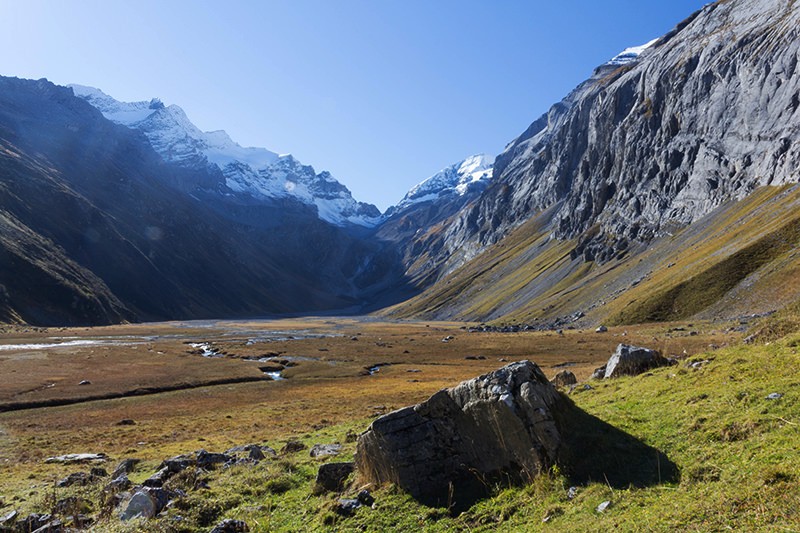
(629, 55)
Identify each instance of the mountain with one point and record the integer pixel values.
(96, 227)
(422, 211)
(592, 208)
(253, 173)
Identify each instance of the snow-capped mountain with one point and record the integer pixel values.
(254, 172)
(471, 174)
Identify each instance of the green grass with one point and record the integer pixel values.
(736, 452)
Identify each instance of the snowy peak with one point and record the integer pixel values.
(471, 174)
(253, 172)
(629, 55)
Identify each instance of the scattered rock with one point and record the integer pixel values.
(71, 458)
(118, 484)
(141, 505)
(293, 446)
(572, 492)
(774, 396)
(33, 522)
(125, 466)
(599, 373)
(8, 519)
(325, 450)
(353, 338)
(347, 507)
(449, 449)
(230, 525)
(351, 436)
(603, 506)
(475, 357)
(177, 464)
(126, 422)
(76, 478)
(332, 476)
(53, 526)
(158, 479)
(211, 460)
(565, 378)
(448, 338)
(365, 498)
(85, 382)
(601, 329)
(633, 360)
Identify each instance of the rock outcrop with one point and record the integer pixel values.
(448, 450)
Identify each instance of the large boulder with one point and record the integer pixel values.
(633, 360)
(451, 448)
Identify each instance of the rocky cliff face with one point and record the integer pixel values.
(703, 115)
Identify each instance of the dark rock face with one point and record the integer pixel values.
(705, 115)
(447, 450)
(632, 360)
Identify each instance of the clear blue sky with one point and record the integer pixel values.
(382, 93)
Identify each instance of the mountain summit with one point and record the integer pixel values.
(251, 173)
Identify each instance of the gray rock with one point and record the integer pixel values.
(599, 373)
(565, 378)
(178, 463)
(601, 329)
(293, 446)
(572, 492)
(603, 506)
(633, 360)
(77, 458)
(448, 449)
(332, 476)
(325, 450)
(118, 484)
(230, 525)
(53, 526)
(774, 396)
(366, 498)
(347, 506)
(158, 479)
(142, 504)
(211, 460)
(76, 478)
(125, 466)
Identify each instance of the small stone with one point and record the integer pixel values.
(76, 478)
(365, 498)
(85, 382)
(774, 396)
(603, 506)
(565, 378)
(325, 450)
(572, 492)
(126, 422)
(125, 466)
(332, 476)
(230, 525)
(141, 505)
(601, 329)
(210, 460)
(77, 458)
(347, 507)
(293, 446)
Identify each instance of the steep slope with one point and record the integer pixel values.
(93, 231)
(605, 189)
(705, 114)
(252, 173)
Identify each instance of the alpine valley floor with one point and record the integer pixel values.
(734, 448)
